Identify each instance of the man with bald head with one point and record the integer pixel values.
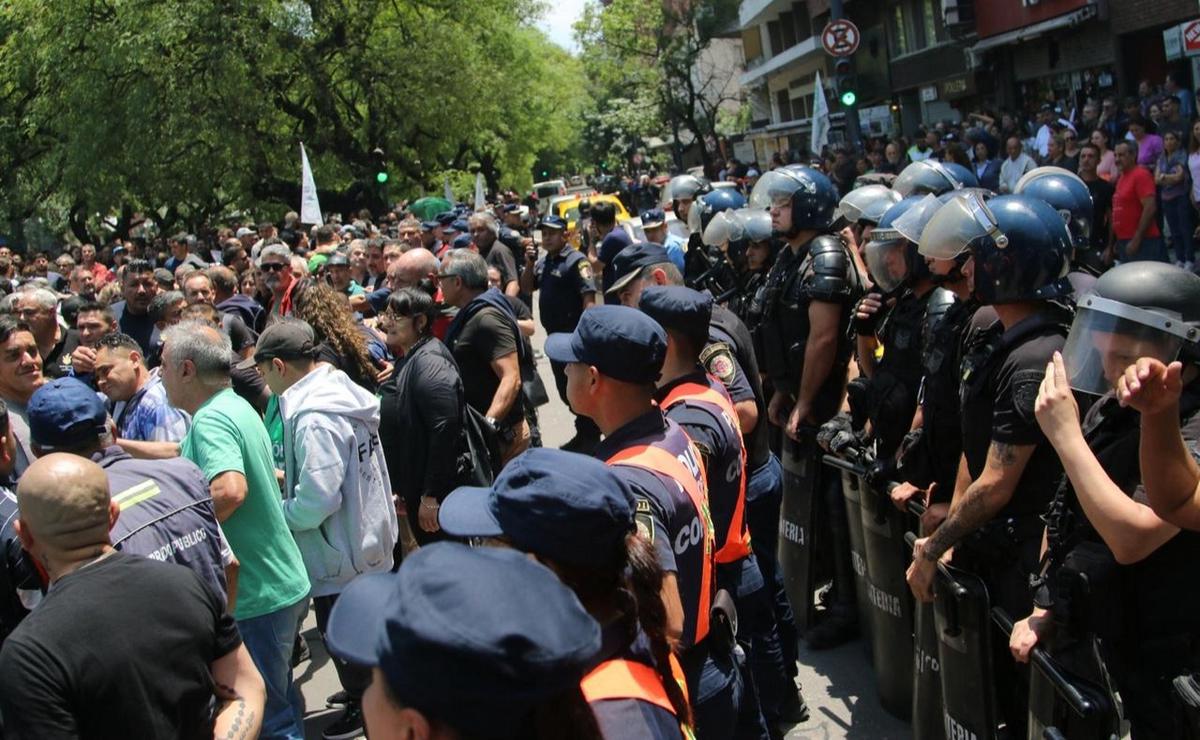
(406, 271)
(58, 679)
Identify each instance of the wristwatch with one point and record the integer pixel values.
(491, 420)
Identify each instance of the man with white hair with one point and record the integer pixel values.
(38, 307)
(485, 232)
(275, 262)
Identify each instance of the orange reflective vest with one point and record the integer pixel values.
(658, 460)
(618, 679)
(737, 539)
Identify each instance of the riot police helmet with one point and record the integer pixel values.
(810, 195)
(891, 254)
(1137, 309)
(1020, 246)
(962, 174)
(927, 176)
(683, 187)
(1067, 194)
(868, 203)
(710, 204)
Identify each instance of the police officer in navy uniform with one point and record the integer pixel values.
(700, 403)
(614, 358)
(469, 642)
(575, 514)
(564, 281)
(1117, 581)
(1019, 252)
(730, 356)
(807, 302)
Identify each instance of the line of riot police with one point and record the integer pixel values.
(995, 515)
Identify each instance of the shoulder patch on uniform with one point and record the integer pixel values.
(717, 358)
(1025, 387)
(585, 269)
(644, 519)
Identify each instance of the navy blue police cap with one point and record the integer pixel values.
(629, 262)
(462, 241)
(65, 413)
(446, 218)
(678, 308)
(653, 217)
(460, 225)
(565, 506)
(622, 343)
(428, 225)
(553, 222)
(474, 638)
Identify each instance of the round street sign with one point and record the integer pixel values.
(840, 38)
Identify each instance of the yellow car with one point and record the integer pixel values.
(568, 210)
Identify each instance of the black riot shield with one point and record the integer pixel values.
(891, 609)
(927, 721)
(852, 486)
(1187, 694)
(801, 472)
(1063, 704)
(964, 633)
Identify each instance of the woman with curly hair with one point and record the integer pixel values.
(341, 343)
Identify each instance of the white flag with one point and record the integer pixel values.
(820, 118)
(310, 209)
(479, 202)
(446, 189)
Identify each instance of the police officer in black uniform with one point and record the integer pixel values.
(564, 279)
(807, 302)
(1117, 581)
(1019, 252)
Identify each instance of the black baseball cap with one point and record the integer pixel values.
(292, 339)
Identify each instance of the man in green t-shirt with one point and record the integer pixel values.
(230, 444)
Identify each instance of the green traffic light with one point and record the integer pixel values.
(381, 177)
(849, 97)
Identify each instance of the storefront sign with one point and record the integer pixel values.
(1191, 37)
(1172, 43)
(929, 93)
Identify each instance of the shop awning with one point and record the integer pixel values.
(1067, 20)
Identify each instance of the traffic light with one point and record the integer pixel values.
(377, 158)
(844, 80)
(545, 174)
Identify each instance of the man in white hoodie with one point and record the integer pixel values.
(337, 498)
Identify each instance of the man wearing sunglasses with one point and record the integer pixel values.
(276, 266)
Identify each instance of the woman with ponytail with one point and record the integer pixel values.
(575, 516)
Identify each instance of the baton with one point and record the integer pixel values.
(1076, 700)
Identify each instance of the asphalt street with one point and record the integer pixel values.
(838, 685)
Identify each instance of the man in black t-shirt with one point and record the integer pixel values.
(486, 344)
(485, 233)
(138, 287)
(132, 611)
(1102, 196)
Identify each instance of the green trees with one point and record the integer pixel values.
(193, 108)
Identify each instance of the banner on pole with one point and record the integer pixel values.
(479, 200)
(310, 208)
(820, 117)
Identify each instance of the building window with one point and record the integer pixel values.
(787, 27)
(803, 22)
(931, 24)
(784, 101)
(900, 42)
(776, 37)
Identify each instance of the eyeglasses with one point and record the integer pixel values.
(444, 275)
(272, 266)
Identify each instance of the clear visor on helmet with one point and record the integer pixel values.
(681, 187)
(755, 224)
(912, 222)
(693, 218)
(926, 176)
(886, 260)
(868, 203)
(956, 225)
(722, 228)
(1107, 337)
(773, 188)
